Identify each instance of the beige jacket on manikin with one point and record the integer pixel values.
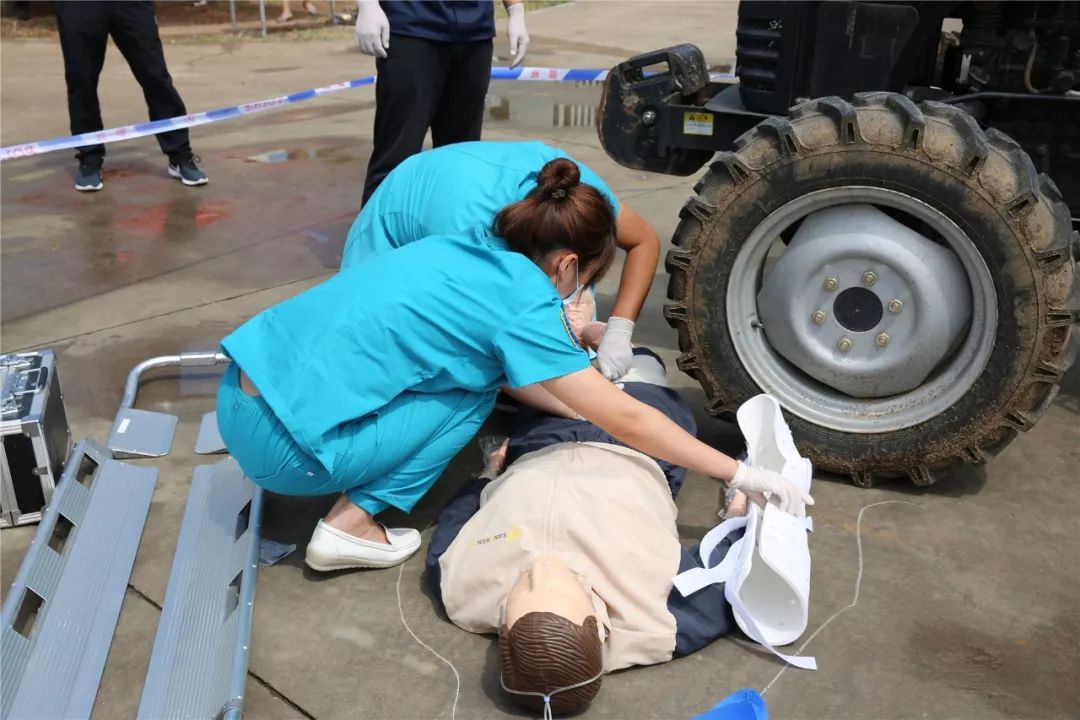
(606, 512)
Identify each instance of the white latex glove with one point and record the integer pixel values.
(372, 28)
(517, 33)
(759, 480)
(615, 353)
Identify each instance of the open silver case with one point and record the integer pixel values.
(34, 435)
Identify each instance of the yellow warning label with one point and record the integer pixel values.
(697, 123)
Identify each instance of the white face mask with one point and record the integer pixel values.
(578, 287)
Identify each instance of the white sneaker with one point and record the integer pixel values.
(332, 549)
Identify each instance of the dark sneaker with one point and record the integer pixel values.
(88, 179)
(186, 171)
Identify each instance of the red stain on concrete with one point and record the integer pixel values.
(35, 198)
(210, 213)
(168, 218)
(108, 173)
(142, 220)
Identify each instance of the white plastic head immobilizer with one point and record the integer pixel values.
(767, 572)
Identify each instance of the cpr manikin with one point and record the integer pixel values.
(568, 556)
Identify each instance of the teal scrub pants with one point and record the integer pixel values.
(392, 457)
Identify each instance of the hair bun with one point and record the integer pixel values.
(556, 177)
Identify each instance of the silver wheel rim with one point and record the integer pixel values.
(819, 404)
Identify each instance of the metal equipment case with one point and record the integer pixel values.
(34, 435)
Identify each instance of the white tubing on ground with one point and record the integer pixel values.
(858, 583)
(457, 676)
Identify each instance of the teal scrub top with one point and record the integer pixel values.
(452, 189)
(446, 312)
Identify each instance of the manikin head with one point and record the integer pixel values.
(550, 639)
(566, 228)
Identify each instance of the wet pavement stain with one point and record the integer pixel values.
(271, 156)
(327, 242)
(299, 115)
(176, 219)
(94, 370)
(115, 173)
(1036, 675)
(568, 105)
(334, 155)
(55, 197)
(540, 112)
(144, 224)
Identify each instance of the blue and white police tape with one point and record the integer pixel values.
(130, 132)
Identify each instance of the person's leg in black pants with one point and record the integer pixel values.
(84, 32)
(459, 116)
(133, 27)
(409, 88)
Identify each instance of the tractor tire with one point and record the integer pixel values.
(937, 154)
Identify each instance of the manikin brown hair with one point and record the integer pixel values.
(543, 652)
(561, 214)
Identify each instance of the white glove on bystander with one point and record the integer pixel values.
(615, 353)
(372, 28)
(517, 33)
(754, 479)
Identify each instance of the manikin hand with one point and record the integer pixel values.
(372, 28)
(755, 479)
(494, 450)
(516, 33)
(615, 353)
(593, 334)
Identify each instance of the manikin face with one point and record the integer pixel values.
(549, 586)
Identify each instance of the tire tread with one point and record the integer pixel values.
(1051, 358)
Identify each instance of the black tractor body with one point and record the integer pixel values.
(884, 236)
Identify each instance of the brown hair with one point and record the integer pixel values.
(544, 652)
(561, 214)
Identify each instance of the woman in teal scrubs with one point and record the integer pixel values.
(454, 188)
(370, 382)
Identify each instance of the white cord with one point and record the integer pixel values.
(457, 677)
(858, 584)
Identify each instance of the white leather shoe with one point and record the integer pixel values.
(333, 549)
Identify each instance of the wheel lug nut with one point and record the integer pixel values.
(896, 306)
(831, 283)
(869, 278)
(844, 345)
(818, 317)
(882, 339)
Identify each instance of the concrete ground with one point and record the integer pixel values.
(967, 607)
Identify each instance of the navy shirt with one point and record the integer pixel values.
(535, 429)
(443, 20)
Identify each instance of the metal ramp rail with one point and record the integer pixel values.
(145, 433)
(198, 667)
(60, 614)
(59, 618)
